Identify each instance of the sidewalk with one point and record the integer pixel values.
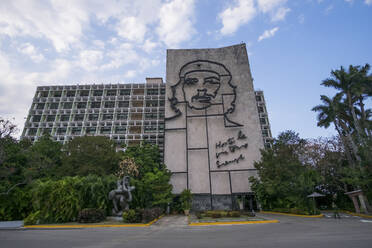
(11, 224)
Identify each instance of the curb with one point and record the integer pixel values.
(296, 215)
(89, 226)
(356, 214)
(232, 223)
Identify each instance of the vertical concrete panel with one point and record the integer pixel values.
(179, 182)
(175, 157)
(220, 183)
(199, 171)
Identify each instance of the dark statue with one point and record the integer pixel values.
(121, 196)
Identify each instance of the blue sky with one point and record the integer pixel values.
(292, 46)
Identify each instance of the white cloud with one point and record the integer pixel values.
(234, 16)
(176, 22)
(269, 5)
(368, 2)
(280, 14)
(131, 28)
(60, 22)
(148, 46)
(130, 74)
(31, 51)
(89, 59)
(268, 33)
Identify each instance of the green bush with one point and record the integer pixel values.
(60, 201)
(91, 215)
(32, 219)
(16, 205)
(131, 216)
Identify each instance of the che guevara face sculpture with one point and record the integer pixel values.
(200, 88)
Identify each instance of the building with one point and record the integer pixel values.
(126, 113)
(208, 121)
(215, 125)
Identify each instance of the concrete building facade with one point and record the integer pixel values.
(215, 125)
(126, 113)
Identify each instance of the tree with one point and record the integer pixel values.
(149, 175)
(89, 155)
(285, 177)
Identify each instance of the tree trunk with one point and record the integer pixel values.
(355, 119)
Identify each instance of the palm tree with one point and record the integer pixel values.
(334, 111)
(354, 85)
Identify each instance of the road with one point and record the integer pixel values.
(351, 232)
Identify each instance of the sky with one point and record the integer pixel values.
(292, 46)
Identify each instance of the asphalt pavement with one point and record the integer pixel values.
(173, 231)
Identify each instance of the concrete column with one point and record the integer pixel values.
(356, 204)
(362, 203)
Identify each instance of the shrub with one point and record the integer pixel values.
(233, 214)
(185, 199)
(91, 215)
(131, 216)
(216, 215)
(32, 219)
(60, 201)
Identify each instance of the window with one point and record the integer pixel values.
(84, 93)
(97, 93)
(93, 117)
(67, 105)
(54, 105)
(125, 92)
(71, 93)
(44, 94)
(150, 129)
(106, 117)
(152, 92)
(32, 131)
(109, 104)
(111, 93)
(151, 116)
(120, 129)
(265, 133)
(123, 104)
(61, 131)
(91, 130)
(36, 118)
(81, 105)
(95, 105)
(76, 130)
(40, 106)
(151, 103)
(51, 117)
(57, 93)
(79, 118)
(105, 130)
(121, 116)
(65, 117)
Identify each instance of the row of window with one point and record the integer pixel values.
(96, 117)
(124, 92)
(102, 130)
(107, 104)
